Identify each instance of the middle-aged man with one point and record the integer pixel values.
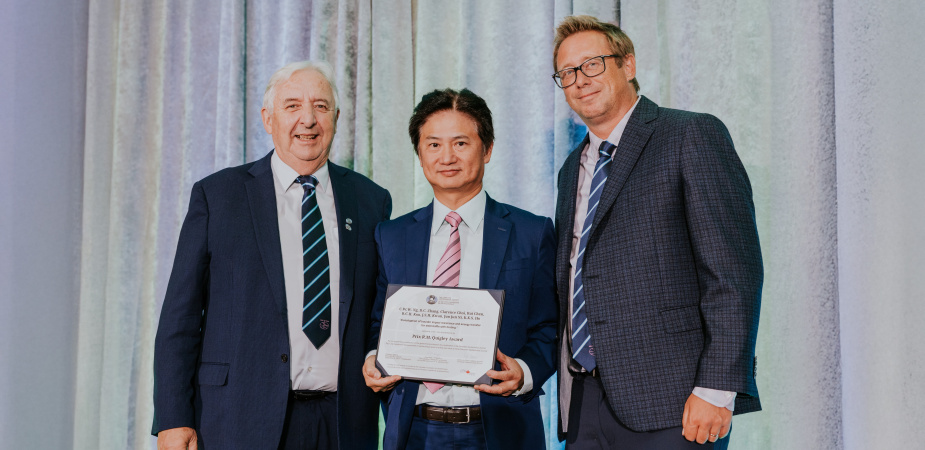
(263, 330)
(659, 268)
(467, 239)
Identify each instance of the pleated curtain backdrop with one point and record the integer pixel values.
(174, 92)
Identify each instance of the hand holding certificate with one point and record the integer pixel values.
(448, 335)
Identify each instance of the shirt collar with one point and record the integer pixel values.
(614, 138)
(472, 212)
(285, 176)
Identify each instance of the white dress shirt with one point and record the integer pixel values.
(589, 158)
(471, 234)
(309, 368)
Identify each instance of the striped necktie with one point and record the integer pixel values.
(316, 309)
(447, 273)
(582, 350)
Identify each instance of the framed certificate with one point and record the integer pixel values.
(433, 333)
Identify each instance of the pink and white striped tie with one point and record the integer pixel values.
(447, 273)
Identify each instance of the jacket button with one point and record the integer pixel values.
(284, 357)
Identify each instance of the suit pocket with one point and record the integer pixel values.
(679, 320)
(213, 374)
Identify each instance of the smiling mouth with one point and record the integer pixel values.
(587, 95)
(306, 137)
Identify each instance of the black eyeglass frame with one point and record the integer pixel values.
(558, 79)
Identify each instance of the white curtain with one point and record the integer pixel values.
(822, 99)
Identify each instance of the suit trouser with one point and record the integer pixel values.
(593, 425)
(310, 424)
(430, 434)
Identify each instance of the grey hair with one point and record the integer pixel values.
(287, 71)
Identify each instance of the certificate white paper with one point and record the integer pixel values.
(440, 334)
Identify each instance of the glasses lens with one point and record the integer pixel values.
(593, 66)
(566, 78)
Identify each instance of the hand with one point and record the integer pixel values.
(177, 439)
(374, 378)
(701, 420)
(511, 376)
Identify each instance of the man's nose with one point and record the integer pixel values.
(581, 79)
(307, 117)
(447, 155)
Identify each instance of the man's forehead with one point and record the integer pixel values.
(305, 84)
(581, 46)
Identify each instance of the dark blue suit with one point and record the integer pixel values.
(221, 352)
(672, 269)
(518, 255)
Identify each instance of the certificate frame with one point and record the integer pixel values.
(436, 298)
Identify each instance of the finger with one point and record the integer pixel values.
(714, 434)
(685, 423)
(703, 433)
(193, 445)
(724, 430)
(504, 375)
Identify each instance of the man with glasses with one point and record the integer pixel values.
(659, 268)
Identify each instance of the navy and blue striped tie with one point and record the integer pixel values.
(316, 309)
(582, 350)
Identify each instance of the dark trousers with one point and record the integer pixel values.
(430, 434)
(592, 425)
(310, 424)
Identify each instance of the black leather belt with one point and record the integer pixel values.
(465, 414)
(307, 395)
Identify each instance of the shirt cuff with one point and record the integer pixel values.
(722, 399)
(528, 378)
(371, 353)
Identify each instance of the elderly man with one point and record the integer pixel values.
(659, 268)
(467, 239)
(262, 333)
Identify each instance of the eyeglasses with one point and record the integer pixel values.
(591, 68)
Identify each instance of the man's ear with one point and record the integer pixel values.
(487, 156)
(629, 66)
(267, 119)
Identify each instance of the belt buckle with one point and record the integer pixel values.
(468, 416)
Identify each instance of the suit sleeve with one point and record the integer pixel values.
(382, 283)
(176, 346)
(724, 239)
(540, 348)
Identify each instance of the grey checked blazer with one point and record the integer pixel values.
(672, 270)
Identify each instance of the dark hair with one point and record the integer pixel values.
(464, 101)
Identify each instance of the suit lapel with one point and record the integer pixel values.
(262, 200)
(345, 202)
(565, 209)
(417, 245)
(634, 139)
(495, 234)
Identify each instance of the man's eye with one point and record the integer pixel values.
(321, 107)
(567, 73)
(293, 106)
(592, 64)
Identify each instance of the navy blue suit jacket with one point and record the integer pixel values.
(672, 269)
(221, 352)
(518, 255)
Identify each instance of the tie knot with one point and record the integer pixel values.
(308, 182)
(607, 149)
(453, 219)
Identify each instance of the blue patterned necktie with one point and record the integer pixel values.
(316, 306)
(582, 350)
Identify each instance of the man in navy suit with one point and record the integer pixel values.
(659, 269)
(263, 330)
(466, 239)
